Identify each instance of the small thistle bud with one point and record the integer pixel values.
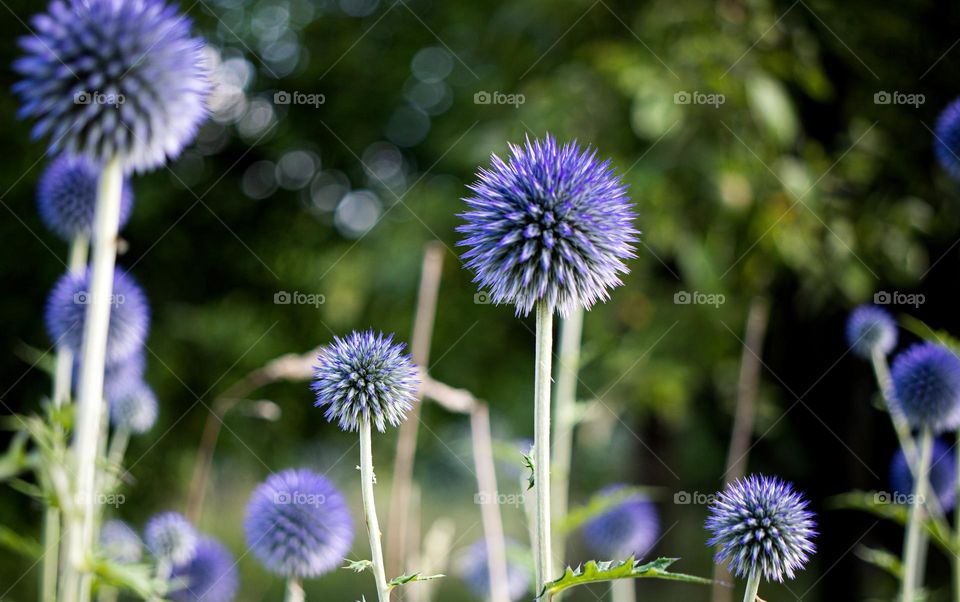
(926, 382)
(136, 411)
(473, 569)
(298, 524)
(171, 538)
(120, 543)
(871, 329)
(67, 197)
(943, 475)
(210, 576)
(760, 523)
(630, 528)
(365, 377)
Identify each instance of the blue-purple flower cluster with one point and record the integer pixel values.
(67, 197)
(474, 569)
(871, 329)
(926, 382)
(629, 528)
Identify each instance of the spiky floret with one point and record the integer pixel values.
(135, 411)
(211, 576)
(761, 523)
(871, 328)
(171, 538)
(926, 383)
(67, 197)
(943, 475)
(298, 524)
(551, 224)
(129, 314)
(630, 528)
(946, 141)
(365, 376)
(473, 568)
(106, 78)
(120, 542)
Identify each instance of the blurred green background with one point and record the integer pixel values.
(764, 168)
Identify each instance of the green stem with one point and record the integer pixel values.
(370, 511)
(294, 591)
(900, 425)
(911, 546)
(623, 590)
(753, 586)
(541, 441)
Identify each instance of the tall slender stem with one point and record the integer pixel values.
(900, 426)
(80, 538)
(911, 546)
(541, 442)
(294, 591)
(370, 511)
(623, 590)
(489, 503)
(753, 586)
(565, 402)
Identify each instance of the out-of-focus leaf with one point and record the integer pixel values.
(358, 566)
(136, 578)
(597, 505)
(405, 579)
(928, 333)
(771, 105)
(876, 503)
(596, 572)
(20, 544)
(881, 559)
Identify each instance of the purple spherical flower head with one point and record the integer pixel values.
(170, 537)
(870, 329)
(365, 377)
(113, 78)
(67, 197)
(760, 523)
(628, 529)
(926, 383)
(943, 475)
(211, 576)
(946, 141)
(298, 524)
(551, 224)
(129, 314)
(473, 569)
(136, 411)
(120, 543)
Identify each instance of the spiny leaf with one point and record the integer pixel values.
(882, 559)
(875, 503)
(531, 465)
(596, 572)
(405, 579)
(25, 546)
(358, 566)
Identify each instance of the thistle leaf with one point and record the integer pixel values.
(137, 578)
(881, 559)
(405, 579)
(878, 505)
(596, 572)
(22, 545)
(358, 566)
(529, 464)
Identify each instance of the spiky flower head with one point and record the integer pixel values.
(365, 377)
(871, 329)
(946, 141)
(629, 528)
(473, 568)
(136, 411)
(129, 314)
(551, 224)
(943, 476)
(113, 78)
(121, 378)
(170, 537)
(211, 576)
(298, 524)
(67, 197)
(120, 543)
(926, 383)
(761, 523)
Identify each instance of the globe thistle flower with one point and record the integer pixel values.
(926, 383)
(946, 141)
(129, 314)
(106, 78)
(171, 538)
(551, 224)
(761, 524)
(67, 197)
(298, 524)
(365, 377)
(211, 576)
(628, 529)
(120, 543)
(869, 329)
(122, 378)
(136, 411)
(473, 569)
(942, 475)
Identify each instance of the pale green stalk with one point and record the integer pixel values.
(753, 586)
(370, 511)
(541, 442)
(900, 425)
(911, 546)
(623, 590)
(294, 591)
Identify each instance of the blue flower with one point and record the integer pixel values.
(106, 78)
(129, 314)
(171, 538)
(551, 224)
(926, 382)
(629, 528)
(211, 576)
(943, 475)
(473, 568)
(120, 543)
(869, 329)
(67, 197)
(298, 524)
(946, 142)
(365, 376)
(136, 411)
(760, 523)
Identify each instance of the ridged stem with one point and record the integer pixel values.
(370, 511)
(911, 546)
(541, 442)
(753, 586)
(623, 590)
(294, 591)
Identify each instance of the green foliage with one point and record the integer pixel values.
(405, 579)
(24, 546)
(878, 505)
(596, 572)
(882, 559)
